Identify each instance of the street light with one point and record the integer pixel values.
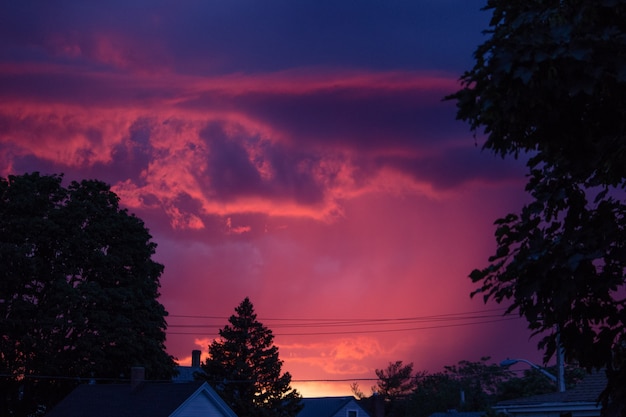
(508, 362)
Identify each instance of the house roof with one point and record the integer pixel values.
(454, 413)
(118, 400)
(187, 373)
(587, 390)
(324, 406)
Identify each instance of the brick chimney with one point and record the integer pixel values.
(137, 377)
(195, 358)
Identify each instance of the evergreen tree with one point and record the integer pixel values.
(244, 368)
(78, 291)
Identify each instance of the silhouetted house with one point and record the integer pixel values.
(187, 373)
(331, 407)
(143, 399)
(454, 413)
(580, 401)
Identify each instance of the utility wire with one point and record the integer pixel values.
(369, 331)
(378, 319)
(388, 324)
(126, 380)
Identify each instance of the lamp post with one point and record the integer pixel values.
(559, 381)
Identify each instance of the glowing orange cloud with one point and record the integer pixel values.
(86, 133)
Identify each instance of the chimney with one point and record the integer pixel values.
(195, 358)
(137, 376)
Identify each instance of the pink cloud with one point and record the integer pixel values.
(277, 174)
(326, 190)
(344, 219)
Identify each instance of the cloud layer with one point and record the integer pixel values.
(299, 153)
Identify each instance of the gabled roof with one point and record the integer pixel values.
(325, 406)
(147, 400)
(187, 373)
(587, 390)
(454, 413)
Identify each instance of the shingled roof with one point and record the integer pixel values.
(147, 400)
(587, 390)
(454, 413)
(325, 406)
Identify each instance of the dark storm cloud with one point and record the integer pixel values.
(294, 176)
(60, 84)
(243, 35)
(232, 172)
(452, 168)
(218, 37)
(135, 58)
(294, 151)
(133, 156)
(363, 116)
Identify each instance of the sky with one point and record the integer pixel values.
(298, 153)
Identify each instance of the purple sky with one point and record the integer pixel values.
(298, 153)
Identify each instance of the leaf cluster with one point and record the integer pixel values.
(475, 386)
(78, 288)
(466, 386)
(551, 80)
(550, 84)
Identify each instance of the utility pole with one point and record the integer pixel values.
(560, 362)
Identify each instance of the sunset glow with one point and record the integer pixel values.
(285, 153)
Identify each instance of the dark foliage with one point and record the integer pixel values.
(466, 386)
(244, 368)
(78, 291)
(550, 84)
(394, 385)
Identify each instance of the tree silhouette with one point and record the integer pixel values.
(550, 84)
(78, 291)
(394, 384)
(244, 368)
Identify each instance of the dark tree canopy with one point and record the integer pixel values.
(551, 80)
(466, 386)
(395, 383)
(534, 382)
(244, 368)
(550, 84)
(477, 386)
(435, 393)
(78, 290)
(396, 380)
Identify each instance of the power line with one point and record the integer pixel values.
(442, 321)
(360, 322)
(370, 331)
(302, 319)
(127, 380)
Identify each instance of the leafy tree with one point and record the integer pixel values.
(394, 384)
(435, 392)
(396, 380)
(78, 291)
(466, 386)
(479, 381)
(533, 382)
(550, 84)
(244, 368)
